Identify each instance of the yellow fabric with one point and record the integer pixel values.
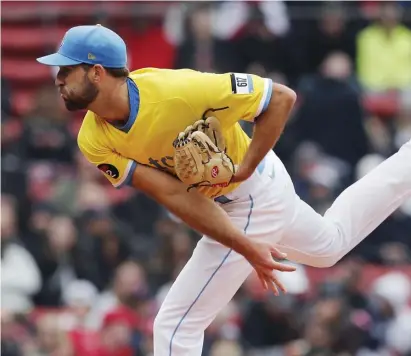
(170, 100)
(384, 60)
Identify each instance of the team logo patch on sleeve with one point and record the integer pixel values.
(109, 169)
(241, 83)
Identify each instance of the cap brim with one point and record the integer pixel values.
(57, 59)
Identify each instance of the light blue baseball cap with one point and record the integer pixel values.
(89, 44)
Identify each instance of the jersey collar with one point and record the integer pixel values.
(134, 101)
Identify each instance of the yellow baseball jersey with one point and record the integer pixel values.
(163, 103)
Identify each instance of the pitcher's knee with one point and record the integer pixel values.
(328, 248)
(326, 261)
(334, 248)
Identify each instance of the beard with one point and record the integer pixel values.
(83, 100)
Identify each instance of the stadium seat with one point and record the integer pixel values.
(385, 105)
(25, 70)
(30, 38)
(19, 10)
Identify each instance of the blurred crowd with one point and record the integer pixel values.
(85, 267)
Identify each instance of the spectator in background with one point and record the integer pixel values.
(318, 177)
(104, 241)
(13, 155)
(318, 340)
(57, 258)
(40, 216)
(269, 323)
(256, 32)
(138, 211)
(350, 275)
(50, 339)
(382, 314)
(172, 253)
(46, 135)
(274, 15)
(331, 318)
(198, 48)
(332, 34)
(330, 113)
(79, 297)
(384, 52)
(20, 275)
(10, 340)
(265, 39)
(129, 290)
(395, 288)
(116, 338)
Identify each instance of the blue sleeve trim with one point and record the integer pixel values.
(269, 95)
(250, 83)
(129, 177)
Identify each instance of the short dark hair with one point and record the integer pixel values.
(114, 72)
(118, 72)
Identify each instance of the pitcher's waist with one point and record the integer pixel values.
(229, 197)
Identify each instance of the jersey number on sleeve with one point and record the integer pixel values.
(241, 83)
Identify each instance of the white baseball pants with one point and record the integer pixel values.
(267, 208)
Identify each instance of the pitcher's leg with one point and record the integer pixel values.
(206, 284)
(321, 241)
(214, 273)
(262, 207)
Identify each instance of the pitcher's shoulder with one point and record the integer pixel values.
(163, 74)
(91, 129)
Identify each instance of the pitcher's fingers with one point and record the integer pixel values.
(278, 266)
(284, 267)
(278, 283)
(276, 253)
(271, 281)
(273, 286)
(262, 280)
